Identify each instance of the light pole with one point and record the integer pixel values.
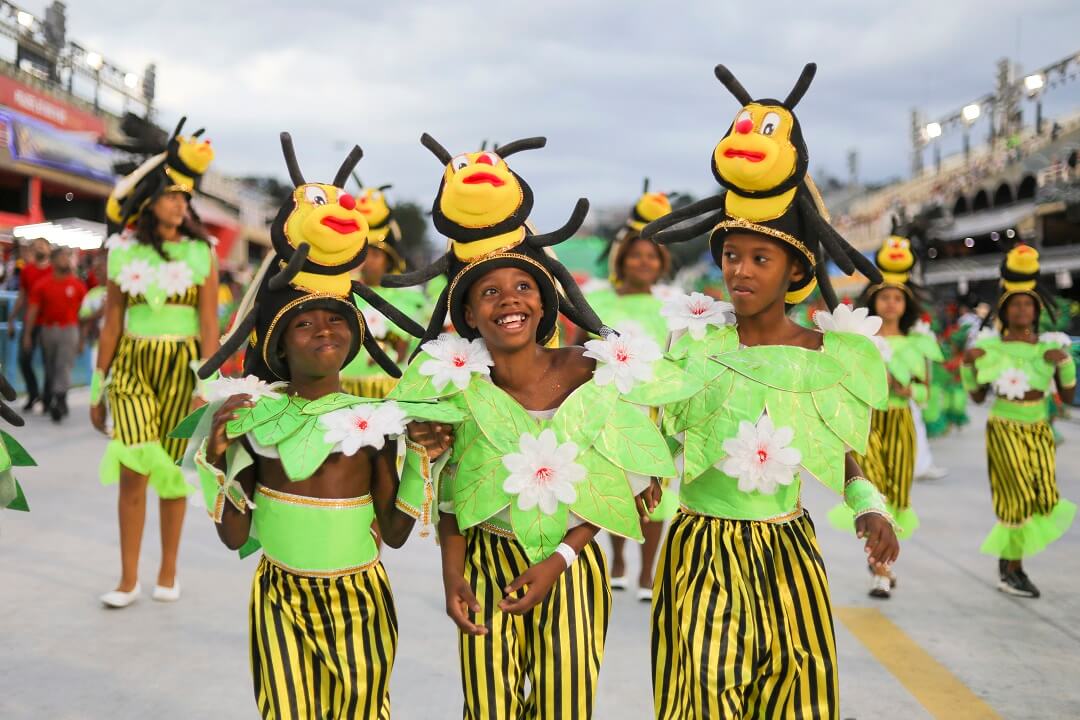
(933, 132)
(970, 114)
(1034, 85)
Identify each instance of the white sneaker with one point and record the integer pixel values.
(619, 583)
(167, 594)
(881, 587)
(933, 473)
(120, 599)
(644, 594)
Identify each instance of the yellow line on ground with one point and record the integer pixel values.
(937, 689)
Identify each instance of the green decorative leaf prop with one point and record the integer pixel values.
(499, 416)
(582, 416)
(865, 378)
(441, 412)
(785, 368)
(19, 456)
(478, 483)
(631, 440)
(266, 410)
(249, 548)
(5, 458)
(334, 401)
(305, 450)
(19, 503)
(186, 427)
(846, 415)
(714, 416)
(822, 451)
(278, 426)
(604, 498)
(414, 385)
(538, 532)
(669, 384)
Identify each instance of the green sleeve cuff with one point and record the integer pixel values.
(863, 498)
(199, 382)
(97, 386)
(1067, 372)
(418, 487)
(967, 377)
(217, 487)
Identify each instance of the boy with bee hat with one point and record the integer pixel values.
(288, 462)
(742, 625)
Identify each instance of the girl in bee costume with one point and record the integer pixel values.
(289, 463)
(160, 321)
(742, 625)
(1019, 365)
(636, 266)
(363, 376)
(553, 448)
(889, 461)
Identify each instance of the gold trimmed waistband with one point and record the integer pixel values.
(775, 520)
(323, 573)
(334, 503)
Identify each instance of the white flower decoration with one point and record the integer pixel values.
(376, 324)
(455, 359)
(665, 293)
(1012, 383)
(760, 456)
(1057, 338)
(364, 425)
(625, 359)
(543, 473)
(225, 387)
(847, 319)
(175, 278)
(923, 328)
(119, 241)
(135, 277)
(696, 312)
(883, 347)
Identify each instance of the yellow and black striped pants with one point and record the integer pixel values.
(557, 646)
(322, 647)
(1020, 457)
(742, 623)
(150, 390)
(889, 462)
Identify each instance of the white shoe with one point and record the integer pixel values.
(167, 594)
(644, 594)
(619, 583)
(120, 599)
(933, 473)
(881, 587)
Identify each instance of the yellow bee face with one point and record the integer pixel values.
(758, 153)
(196, 154)
(372, 204)
(1023, 259)
(895, 255)
(479, 190)
(327, 219)
(652, 206)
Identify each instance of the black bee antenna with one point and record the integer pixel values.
(287, 150)
(645, 186)
(734, 86)
(533, 143)
(483, 146)
(359, 182)
(347, 166)
(197, 133)
(387, 186)
(436, 149)
(179, 126)
(801, 86)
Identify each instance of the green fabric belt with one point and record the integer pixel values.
(717, 495)
(1022, 411)
(315, 535)
(167, 321)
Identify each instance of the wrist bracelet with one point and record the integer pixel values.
(97, 385)
(567, 553)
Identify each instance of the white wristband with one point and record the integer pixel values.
(567, 553)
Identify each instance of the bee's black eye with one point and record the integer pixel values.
(315, 195)
(459, 162)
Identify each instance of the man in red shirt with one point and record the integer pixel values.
(34, 269)
(54, 306)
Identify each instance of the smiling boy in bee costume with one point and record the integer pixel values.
(363, 376)
(556, 444)
(1019, 365)
(289, 463)
(742, 625)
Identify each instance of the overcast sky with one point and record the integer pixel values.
(621, 89)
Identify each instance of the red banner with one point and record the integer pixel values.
(36, 103)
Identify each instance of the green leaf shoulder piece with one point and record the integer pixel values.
(1018, 364)
(140, 270)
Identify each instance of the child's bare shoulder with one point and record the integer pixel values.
(571, 364)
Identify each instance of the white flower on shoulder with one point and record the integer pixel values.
(594, 284)
(1057, 338)
(225, 387)
(847, 319)
(119, 241)
(665, 293)
(455, 359)
(543, 472)
(364, 425)
(696, 312)
(760, 456)
(923, 328)
(135, 277)
(626, 359)
(883, 347)
(175, 277)
(1012, 383)
(375, 323)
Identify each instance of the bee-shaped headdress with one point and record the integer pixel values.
(1020, 276)
(319, 235)
(482, 207)
(650, 206)
(383, 230)
(762, 162)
